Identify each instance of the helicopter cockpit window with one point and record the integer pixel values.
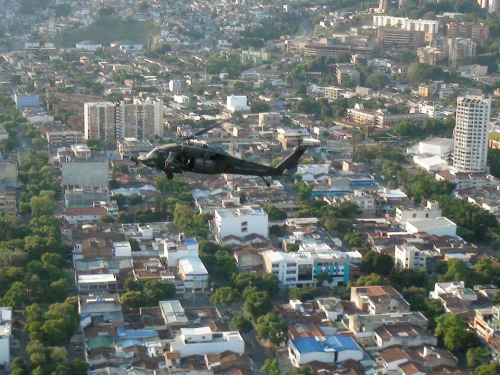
(153, 154)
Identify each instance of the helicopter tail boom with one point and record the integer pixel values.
(292, 160)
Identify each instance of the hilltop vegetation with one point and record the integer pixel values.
(111, 30)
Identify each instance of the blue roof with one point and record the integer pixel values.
(338, 343)
(129, 342)
(190, 241)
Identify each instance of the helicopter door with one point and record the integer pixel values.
(202, 165)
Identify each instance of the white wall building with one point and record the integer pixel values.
(471, 133)
(88, 45)
(431, 164)
(431, 211)
(329, 349)
(122, 249)
(181, 99)
(409, 257)
(201, 341)
(175, 85)
(237, 103)
(428, 26)
(5, 334)
(194, 273)
(182, 248)
(436, 146)
(440, 226)
(292, 269)
(173, 313)
(240, 222)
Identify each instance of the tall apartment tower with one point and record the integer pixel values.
(143, 119)
(471, 133)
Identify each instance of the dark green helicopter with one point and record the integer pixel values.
(187, 157)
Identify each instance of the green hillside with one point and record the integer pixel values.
(112, 30)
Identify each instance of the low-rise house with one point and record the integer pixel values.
(379, 299)
(403, 335)
(105, 283)
(202, 340)
(329, 349)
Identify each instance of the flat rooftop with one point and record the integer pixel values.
(90, 279)
(438, 222)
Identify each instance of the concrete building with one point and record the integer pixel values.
(175, 85)
(430, 211)
(8, 202)
(333, 50)
(237, 103)
(5, 336)
(127, 45)
(478, 32)
(240, 222)
(347, 76)
(128, 147)
(63, 138)
(181, 99)
(202, 340)
(383, 5)
(88, 45)
(427, 26)
(406, 335)
(408, 257)
(379, 299)
(292, 269)
(430, 55)
(173, 313)
(459, 48)
(380, 117)
(334, 92)
(440, 226)
(76, 196)
(173, 251)
(193, 273)
(84, 215)
(8, 173)
(269, 119)
(396, 39)
(329, 349)
(471, 133)
(86, 173)
(143, 119)
(122, 249)
(91, 284)
(26, 100)
(436, 146)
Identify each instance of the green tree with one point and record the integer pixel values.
(478, 356)
(457, 271)
(133, 299)
(271, 327)
(271, 367)
(225, 296)
(256, 305)
(134, 199)
(492, 369)
(43, 204)
(322, 277)
(17, 297)
(270, 283)
(274, 214)
(242, 324)
(374, 262)
(496, 298)
(452, 329)
(258, 106)
(106, 219)
(304, 294)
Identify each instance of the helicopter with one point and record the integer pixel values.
(188, 157)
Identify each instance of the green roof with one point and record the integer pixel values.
(99, 342)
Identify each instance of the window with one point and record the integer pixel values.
(290, 264)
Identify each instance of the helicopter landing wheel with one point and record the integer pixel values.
(170, 175)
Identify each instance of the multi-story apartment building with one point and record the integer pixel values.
(471, 133)
(292, 269)
(240, 222)
(379, 299)
(8, 202)
(458, 48)
(380, 117)
(333, 50)
(269, 118)
(66, 137)
(347, 76)
(5, 336)
(427, 26)
(397, 39)
(333, 92)
(475, 31)
(409, 257)
(429, 55)
(110, 121)
(128, 147)
(430, 211)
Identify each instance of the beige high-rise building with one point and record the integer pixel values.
(142, 119)
(471, 133)
(458, 48)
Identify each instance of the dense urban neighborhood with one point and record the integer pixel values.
(377, 254)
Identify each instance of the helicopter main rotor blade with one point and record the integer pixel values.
(203, 131)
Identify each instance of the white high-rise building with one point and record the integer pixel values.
(142, 119)
(471, 133)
